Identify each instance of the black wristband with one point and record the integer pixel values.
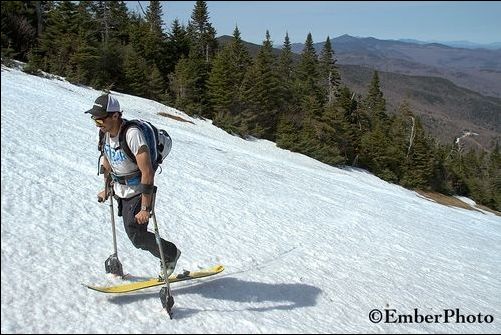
(147, 189)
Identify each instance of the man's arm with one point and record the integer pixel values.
(103, 195)
(147, 176)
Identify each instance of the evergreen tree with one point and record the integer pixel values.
(60, 39)
(285, 63)
(310, 99)
(261, 94)
(225, 80)
(156, 88)
(181, 83)
(402, 131)
(155, 38)
(240, 56)
(19, 29)
(330, 79)
(221, 89)
(154, 18)
(201, 32)
(110, 27)
(203, 46)
(375, 102)
(189, 86)
(357, 119)
(418, 168)
(155, 41)
(309, 137)
(378, 155)
(288, 131)
(494, 178)
(286, 75)
(336, 136)
(178, 45)
(288, 124)
(136, 73)
(307, 72)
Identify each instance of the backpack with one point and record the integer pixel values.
(158, 140)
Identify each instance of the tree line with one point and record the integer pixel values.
(301, 105)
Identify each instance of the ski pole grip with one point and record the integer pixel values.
(153, 198)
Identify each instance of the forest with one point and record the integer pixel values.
(301, 105)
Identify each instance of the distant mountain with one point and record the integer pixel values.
(476, 69)
(445, 108)
(251, 47)
(458, 44)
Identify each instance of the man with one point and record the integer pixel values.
(132, 182)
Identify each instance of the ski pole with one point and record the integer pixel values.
(112, 264)
(165, 293)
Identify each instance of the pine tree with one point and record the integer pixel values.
(402, 131)
(201, 32)
(64, 35)
(330, 79)
(286, 63)
(180, 83)
(357, 119)
(220, 86)
(285, 72)
(240, 56)
(155, 41)
(336, 136)
(418, 164)
(155, 38)
(189, 86)
(19, 29)
(309, 139)
(261, 94)
(288, 132)
(178, 44)
(307, 72)
(203, 46)
(378, 155)
(154, 18)
(136, 69)
(494, 179)
(375, 102)
(156, 86)
(225, 80)
(110, 25)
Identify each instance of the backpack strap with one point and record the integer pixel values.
(123, 141)
(151, 146)
(100, 147)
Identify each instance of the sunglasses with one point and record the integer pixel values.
(99, 121)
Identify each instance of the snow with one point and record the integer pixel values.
(307, 248)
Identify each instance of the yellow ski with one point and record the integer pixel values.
(130, 287)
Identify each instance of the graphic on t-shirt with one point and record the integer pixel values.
(115, 156)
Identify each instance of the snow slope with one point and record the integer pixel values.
(308, 248)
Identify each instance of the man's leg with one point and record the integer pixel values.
(138, 233)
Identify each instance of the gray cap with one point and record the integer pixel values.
(103, 105)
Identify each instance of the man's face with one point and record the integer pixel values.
(104, 123)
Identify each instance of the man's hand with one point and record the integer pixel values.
(142, 217)
(102, 196)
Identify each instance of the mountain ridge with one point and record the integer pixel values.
(445, 107)
(476, 69)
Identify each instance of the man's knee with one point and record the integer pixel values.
(138, 239)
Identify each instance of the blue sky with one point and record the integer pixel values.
(478, 22)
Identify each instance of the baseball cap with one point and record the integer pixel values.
(103, 105)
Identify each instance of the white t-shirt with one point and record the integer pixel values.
(121, 164)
